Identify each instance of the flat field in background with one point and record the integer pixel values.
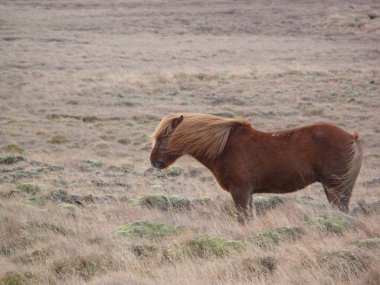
(83, 85)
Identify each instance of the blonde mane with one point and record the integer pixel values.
(200, 135)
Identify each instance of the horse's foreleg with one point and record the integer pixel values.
(241, 199)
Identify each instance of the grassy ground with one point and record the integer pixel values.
(83, 85)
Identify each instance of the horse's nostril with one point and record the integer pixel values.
(157, 164)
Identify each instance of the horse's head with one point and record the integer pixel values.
(161, 156)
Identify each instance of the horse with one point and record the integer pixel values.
(248, 161)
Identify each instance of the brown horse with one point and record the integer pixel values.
(245, 161)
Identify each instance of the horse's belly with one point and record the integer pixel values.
(284, 182)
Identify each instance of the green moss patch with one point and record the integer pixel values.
(90, 165)
(102, 146)
(89, 119)
(11, 159)
(308, 202)
(29, 188)
(148, 229)
(173, 171)
(67, 206)
(274, 236)
(86, 119)
(368, 243)
(205, 247)
(163, 202)
(18, 278)
(58, 139)
(334, 222)
(201, 201)
(37, 201)
(16, 174)
(59, 195)
(11, 148)
(263, 203)
(62, 196)
(124, 141)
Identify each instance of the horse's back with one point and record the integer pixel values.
(329, 134)
(288, 160)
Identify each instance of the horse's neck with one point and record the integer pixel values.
(210, 164)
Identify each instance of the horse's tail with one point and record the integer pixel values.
(347, 181)
(355, 162)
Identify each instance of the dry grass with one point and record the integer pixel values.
(83, 85)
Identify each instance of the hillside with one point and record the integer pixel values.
(83, 85)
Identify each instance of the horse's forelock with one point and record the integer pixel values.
(164, 128)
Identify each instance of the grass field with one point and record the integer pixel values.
(83, 84)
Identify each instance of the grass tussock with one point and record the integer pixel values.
(205, 247)
(29, 188)
(274, 236)
(162, 202)
(343, 264)
(11, 159)
(82, 267)
(11, 148)
(148, 229)
(19, 278)
(334, 222)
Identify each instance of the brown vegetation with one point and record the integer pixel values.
(83, 85)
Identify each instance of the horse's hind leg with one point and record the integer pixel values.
(331, 195)
(340, 175)
(251, 202)
(338, 196)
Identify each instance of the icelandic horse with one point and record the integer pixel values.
(247, 161)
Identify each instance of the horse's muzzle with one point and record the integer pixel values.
(157, 164)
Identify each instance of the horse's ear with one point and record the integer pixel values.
(176, 122)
